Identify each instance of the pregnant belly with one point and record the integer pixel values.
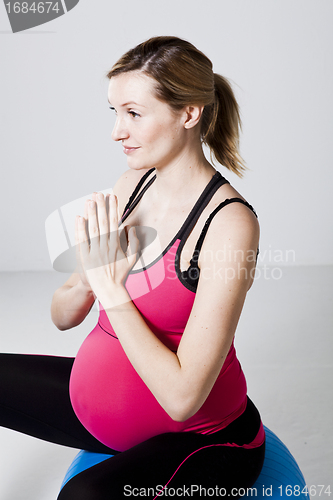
(110, 399)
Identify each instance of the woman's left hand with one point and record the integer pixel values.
(105, 264)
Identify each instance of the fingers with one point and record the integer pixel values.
(103, 220)
(77, 244)
(86, 213)
(101, 214)
(113, 226)
(93, 226)
(101, 224)
(97, 210)
(92, 211)
(82, 237)
(134, 247)
(79, 267)
(113, 213)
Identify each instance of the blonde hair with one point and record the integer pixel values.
(184, 76)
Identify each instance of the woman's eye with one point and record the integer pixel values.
(134, 114)
(113, 109)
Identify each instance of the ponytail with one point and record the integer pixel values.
(220, 127)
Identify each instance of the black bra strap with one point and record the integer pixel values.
(195, 257)
(131, 204)
(217, 181)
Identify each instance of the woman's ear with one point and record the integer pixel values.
(192, 116)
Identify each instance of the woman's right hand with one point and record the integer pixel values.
(72, 302)
(79, 269)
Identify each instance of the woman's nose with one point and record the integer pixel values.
(119, 131)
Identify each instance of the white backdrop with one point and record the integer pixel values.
(56, 147)
(56, 125)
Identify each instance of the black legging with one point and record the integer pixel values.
(34, 399)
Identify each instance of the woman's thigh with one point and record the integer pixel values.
(34, 399)
(185, 463)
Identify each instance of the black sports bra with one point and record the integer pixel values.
(190, 276)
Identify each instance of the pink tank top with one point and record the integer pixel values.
(107, 394)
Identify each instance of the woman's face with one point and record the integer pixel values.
(152, 134)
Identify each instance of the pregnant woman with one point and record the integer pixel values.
(157, 383)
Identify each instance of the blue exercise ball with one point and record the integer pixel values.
(280, 476)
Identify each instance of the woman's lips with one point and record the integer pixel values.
(128, 149)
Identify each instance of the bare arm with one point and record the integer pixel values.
(72, 302)
(181, 382)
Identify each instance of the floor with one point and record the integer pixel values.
(284, 341)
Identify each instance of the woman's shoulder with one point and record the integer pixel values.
(233, 225)
(126, 184)
(230, 204)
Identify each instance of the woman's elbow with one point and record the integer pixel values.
(183, 410)
(56, 321)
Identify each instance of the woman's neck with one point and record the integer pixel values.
(178, 182)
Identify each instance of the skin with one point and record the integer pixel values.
(159, 137)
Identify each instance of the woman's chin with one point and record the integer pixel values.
(136, 165)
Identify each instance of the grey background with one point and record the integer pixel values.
(56, 124)
(56, 147)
